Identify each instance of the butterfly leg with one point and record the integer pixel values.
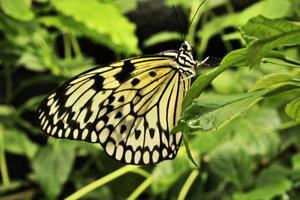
(203, 62)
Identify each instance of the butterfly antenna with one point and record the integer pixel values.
(195, 13)
(178, 23)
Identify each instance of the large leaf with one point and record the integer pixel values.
(233, 59)
(231, 162)
(271, 183)
(18, 9)
(52, 166)
(212, 110)
(257, 130)
(265, 8)
(270, 80)
(285, 35)
(261, 28)
(104, 18)
(17, 142)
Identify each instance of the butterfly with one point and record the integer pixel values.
(129, 106)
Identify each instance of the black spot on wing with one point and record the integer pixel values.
(124, 74)
(152, 74)
(135, 81)
(98, 84)
(123, 129)
(118, 115)
(151, 131)
(121, 99)
(137, 134)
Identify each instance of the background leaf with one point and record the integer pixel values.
(52, 166)
(293, 109)
(18, 9)
(102, 18)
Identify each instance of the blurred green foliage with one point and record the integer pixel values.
(243, 132)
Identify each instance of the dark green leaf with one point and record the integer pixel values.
(262, 28)
(211, 111)
(52, 166)
(280, 37)
(272, 182)
(17, 142)
(231, 162)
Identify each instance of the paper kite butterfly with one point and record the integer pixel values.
(129, 107)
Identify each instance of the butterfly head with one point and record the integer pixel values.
(186, 59)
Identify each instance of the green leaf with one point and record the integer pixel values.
(260, 48)
(218, 24)
(204, 142)
(293, 109)
(162, 37)
(231, 162)
(71, 26)
(213, 110)
(103, 18)
(188, 150)
(17, 142)
(6, 112)
(256, 130)
(18, 9)
(271, 183)
(233, 59)
(52, 166)
(262, 28)
(270, 80)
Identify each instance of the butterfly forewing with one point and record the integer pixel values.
(129, 107)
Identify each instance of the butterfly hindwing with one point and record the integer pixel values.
(129, 107)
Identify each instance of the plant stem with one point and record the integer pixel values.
(289, 124)
(3, 165)
(8, 79)
(67, 46)
(100, 182)
(76, 47)
(187, 185)
(141, 188)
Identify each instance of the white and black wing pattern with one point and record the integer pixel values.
(129, 107)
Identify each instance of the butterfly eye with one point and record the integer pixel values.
(184, 46)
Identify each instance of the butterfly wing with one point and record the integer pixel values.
(129, 107)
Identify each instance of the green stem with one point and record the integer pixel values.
(3, 165)
(8, 79)
(191, 32)
(67, 46)
(229, 7)
(289, 124)
(100, 182)
(76, 47)
(187, 185)
(141, 188)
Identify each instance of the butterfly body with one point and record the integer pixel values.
(129, 106)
